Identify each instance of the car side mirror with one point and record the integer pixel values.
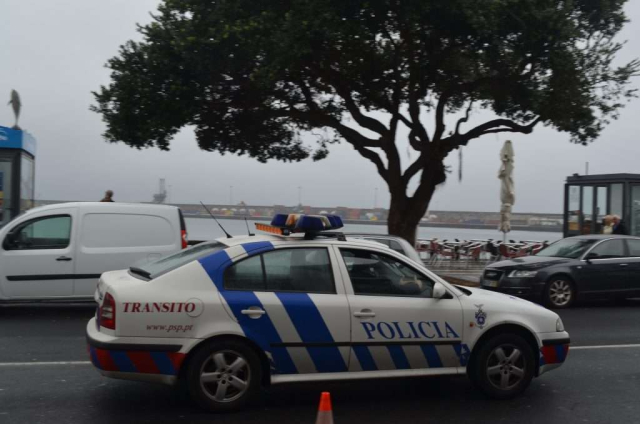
(590, 256)
(10, 241)
(439, 291)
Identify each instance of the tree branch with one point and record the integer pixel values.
(495, 126)
(469, 87)
(465, 119)
(316, 115)
(442, 102)
(414, 168)
(405, 120)
(417, 128)
(345, 93)
(491, 127)
(375, 158)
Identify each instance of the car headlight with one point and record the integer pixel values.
(522, 274)
(559, 325)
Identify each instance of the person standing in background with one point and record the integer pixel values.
(607, 227)
(108, 196)
(618, 226)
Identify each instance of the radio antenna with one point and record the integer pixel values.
(248, 230)
(214, 218)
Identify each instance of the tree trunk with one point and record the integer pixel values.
(405, 214)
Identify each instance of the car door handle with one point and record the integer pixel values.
(365, 313)
(63, 259)
(624, 264)
(253, 312)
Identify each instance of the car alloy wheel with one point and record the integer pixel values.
(503, 366)
(506, 367)
(225, 376)
(560, 293)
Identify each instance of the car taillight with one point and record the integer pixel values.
(185, 242)
(108, 312)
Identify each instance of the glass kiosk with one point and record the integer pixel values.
(17, 172)
(588, 198)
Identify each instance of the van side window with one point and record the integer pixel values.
(126, 230)
(52, 232)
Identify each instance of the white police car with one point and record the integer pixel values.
(229, 316)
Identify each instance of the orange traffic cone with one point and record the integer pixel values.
(325, 413)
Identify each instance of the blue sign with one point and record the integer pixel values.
(16, 139)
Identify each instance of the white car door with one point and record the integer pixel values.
(38, 257)
(291, 304)
(395, 322)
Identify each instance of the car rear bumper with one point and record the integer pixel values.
(117, 358)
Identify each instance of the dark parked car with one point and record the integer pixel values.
(571, 269)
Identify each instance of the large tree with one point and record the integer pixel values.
(255, 77)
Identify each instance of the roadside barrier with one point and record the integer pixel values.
(325, 412)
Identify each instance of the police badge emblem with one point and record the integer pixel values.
(481, 316)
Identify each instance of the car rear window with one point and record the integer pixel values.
(171, 262)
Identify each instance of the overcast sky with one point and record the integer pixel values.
(53, 53)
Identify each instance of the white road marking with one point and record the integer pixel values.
(622, 346)
(30, 364)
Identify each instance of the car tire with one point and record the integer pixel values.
(559, 293)
(504, 366)
(223, 376)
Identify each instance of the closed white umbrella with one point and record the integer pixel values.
(507, 188)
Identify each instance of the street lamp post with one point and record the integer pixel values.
(300, 195)
(231, 195)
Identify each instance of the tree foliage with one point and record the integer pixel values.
(251, 76)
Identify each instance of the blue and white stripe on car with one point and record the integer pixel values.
(305, 333)
(279, 316)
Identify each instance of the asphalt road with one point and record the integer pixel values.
(596, 385)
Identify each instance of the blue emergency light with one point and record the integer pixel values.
(286, 224)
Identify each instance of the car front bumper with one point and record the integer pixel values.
(127, 359)
(521, 287)
(554, 351)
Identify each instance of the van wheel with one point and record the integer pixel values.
(504, 366)
(223, 376)
(559, 293)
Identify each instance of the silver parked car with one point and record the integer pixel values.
(396, 243)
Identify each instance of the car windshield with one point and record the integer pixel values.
(169, 263)
(567, 248)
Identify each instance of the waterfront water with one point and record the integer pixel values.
(207, 229)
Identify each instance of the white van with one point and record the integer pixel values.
(58, 252)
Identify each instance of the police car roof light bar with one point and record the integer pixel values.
(286, 224)
(279, 220)
(272, 229)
